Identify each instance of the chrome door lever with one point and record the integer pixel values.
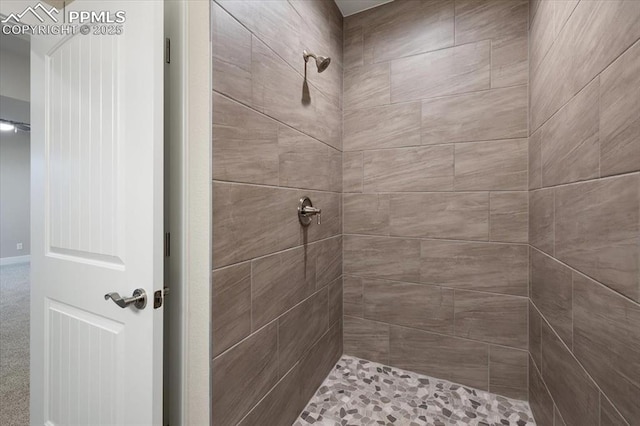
(139, 299)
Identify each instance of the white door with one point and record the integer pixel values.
(97, 220)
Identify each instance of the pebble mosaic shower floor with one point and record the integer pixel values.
(360, 392)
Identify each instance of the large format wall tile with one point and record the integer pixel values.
(509, 60)
(366, 214)
(570, 144)
(489, 19)
(231, 50)
(300, 328)
(367, 86)
(490, 114)
(243, 375)
(539, 398)
(451, 215)
(366, 339)
(542, 219)
(319, 361)
(406, 28)
(535, 335)
(382, 257)
(231, 308)
(328, 257)
(282, 93)
(492, 318)
(495, 165)
(353, 296)
(509, 217)
(542, 33)
(551, 285)
(241, 232)
(245, 144)
(606, 327)
(535, 160)
(411, 305)
(508, 372)
(608, 415)
(493, 267)
(597, 230)
(575, 394)
(382, 127)
(446, 357)
(450, 71)
(296, 149)
(352, 171)
(427, 168)
(353, 47)
(279, 282)
(620, 114)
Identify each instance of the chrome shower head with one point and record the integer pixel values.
(322, 62)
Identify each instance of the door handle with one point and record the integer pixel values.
(139, 299)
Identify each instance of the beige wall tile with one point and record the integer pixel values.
(231, 308)
(231, 50)
(409, 169)
(597, 229)
(336, 297)
(490, 114)
(411, 305)
(382, 257)
(366, 339)
(280, 92)
(328, 257)
(446, 357)
(489, 19)
(576, 396)
(296, 150)
(542, 219)
(366, 214)
(382, 127)
(367, 86)
(510, 60)
(492, 318)
(242, 232)
(453, 215)
(353, 47)
(245, 144)
(620, 114)
(495, 165)
(535, 160)
(570, 144)
(508, 370)
(608, 414)
(300, 328)
(320, 360)
(509, 217)
(542, 32)
(535, 335)
(279, 282)
(606, 328)
(551, 285)
(243, 375)
(443, 72)
(494, 267)
(352, 171)
(407, 28)
(353, 296)
(539, 398)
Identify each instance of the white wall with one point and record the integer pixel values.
(14, 193)
(14, 68)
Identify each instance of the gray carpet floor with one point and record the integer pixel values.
(14, 344)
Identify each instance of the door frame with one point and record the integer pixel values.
(188, 130)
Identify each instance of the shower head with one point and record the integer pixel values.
(322, 62)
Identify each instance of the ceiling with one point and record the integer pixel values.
(350, 7)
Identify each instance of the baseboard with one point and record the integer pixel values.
(15, 259)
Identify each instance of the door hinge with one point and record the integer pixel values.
(159, 296)
(167, 50)
(167, 244)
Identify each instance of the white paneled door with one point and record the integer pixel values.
(97, 217)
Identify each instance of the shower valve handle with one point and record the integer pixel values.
(310, 211)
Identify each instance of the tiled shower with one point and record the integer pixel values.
(477, 167)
